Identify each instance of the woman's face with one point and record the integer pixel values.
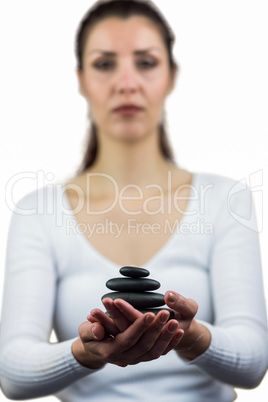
(125, 62)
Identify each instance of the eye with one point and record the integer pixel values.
(147, 63)
(104, 65)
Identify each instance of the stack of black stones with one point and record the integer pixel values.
(135, 288)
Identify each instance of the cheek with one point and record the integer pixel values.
(96, 99)
(158, 92)
(95, 91)
(158, 96)
(96, 95)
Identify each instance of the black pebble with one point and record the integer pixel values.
(134, 272)
(146, 299)
(132, 284)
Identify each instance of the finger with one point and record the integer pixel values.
(163, 341)
(96, 315)
(116, 350)
(150, 337)
(127, 310)
(91, 319)
(120, 320)
(168, 339)
(185, 309)
(174, 341)
(91, 331)
(155, 340)
(134, 332)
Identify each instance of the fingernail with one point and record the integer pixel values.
(92, 312)
(92, 330)
(107, 306)
(119, 307)
(173, 327)
(164, 318)
(179, 336)
(149, 319)
(171, 298)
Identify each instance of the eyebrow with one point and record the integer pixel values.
(113, 54)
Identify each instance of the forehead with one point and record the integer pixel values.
(114, 33)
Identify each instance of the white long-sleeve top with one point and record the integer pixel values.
(54, 277)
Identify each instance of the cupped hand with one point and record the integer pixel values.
(121, 314)
(125, 338)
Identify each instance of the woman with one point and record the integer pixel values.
(132, 205)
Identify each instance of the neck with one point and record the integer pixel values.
(137, 162)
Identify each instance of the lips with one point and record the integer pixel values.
(128, 107)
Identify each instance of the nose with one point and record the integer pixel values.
(127, 80)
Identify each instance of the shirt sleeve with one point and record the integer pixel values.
(238, 353)
(31, 366)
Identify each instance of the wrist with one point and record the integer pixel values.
(196, 341)
(190, 335)
(86, 358)
(192, 345)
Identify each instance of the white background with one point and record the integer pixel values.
(217, 116)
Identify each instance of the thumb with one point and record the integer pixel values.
(91, 331)
(186, 308)
(98, 331)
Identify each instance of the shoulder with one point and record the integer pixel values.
(221, 195)
(40, 201)
(219, 186)
(215, 180)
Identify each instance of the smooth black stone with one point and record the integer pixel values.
(146, 299)
(134, 272)
(132, 284)
(156, 311)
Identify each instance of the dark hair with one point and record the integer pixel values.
(122, 9)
